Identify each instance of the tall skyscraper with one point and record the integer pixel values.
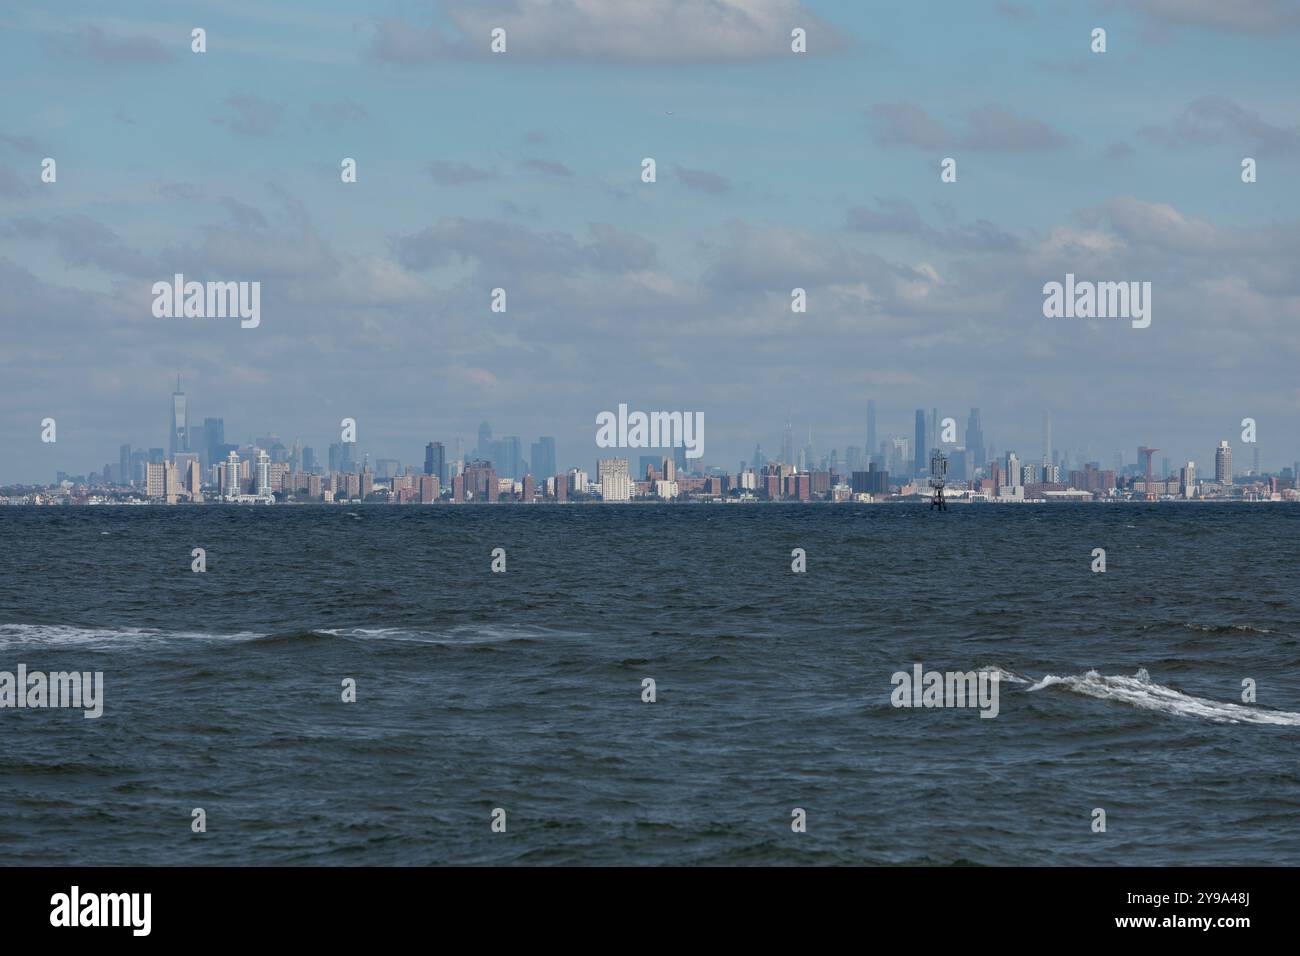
(920, 450)
(1223, 464)
(1047, 438)
(263, 474)
(180, 433)
(542, 456)
(124, 465)
(484, 449)
(510, 457)
(230, 480)
(975, 439)
(787, 444)
(871, 428)
(435, 461)
(214, 436)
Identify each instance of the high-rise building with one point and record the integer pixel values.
(180, 432)
(156, 480)
(230, 483)
(124, 465)
(542, 461)
(615, 482)
(871, 427)
(484, 449)
(510, 457)
(263, 474)
(787, 444)
(214, 436)
(435, 461)
(920, 458)
(1223, 464)
(1047, 438)
(975, 439)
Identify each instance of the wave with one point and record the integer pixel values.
(60, 635)
(67, 635)
(464, 634)
(1142, 692)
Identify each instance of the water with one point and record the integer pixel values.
(522, 690)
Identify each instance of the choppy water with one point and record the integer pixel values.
(522, 690)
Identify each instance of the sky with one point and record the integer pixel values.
(775, 170)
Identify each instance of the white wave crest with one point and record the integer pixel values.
(1141, 691)
(67, 635)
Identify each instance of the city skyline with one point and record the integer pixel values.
(896, 454)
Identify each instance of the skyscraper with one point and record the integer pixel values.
(124, 465)
(1223, 464)
(787, 444)
(180, 433)
(871, 428)
(230, 480)
(542, 455)
(975, 439)
(920, 450)
(214, 436)
(615, 483)
(263, 474)
(435, 461)
(1047, 438)
(484, 449)
(509, 457)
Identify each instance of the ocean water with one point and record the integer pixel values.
(522, 690)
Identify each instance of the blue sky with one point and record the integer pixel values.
(522, 171)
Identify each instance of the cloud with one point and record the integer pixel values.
(646, 31)
(908, 125)
(338, 114)
(989, 128)
(448, 173)
(1119, 150)
(994, 128)
(1015, 11)
(21, 144)
(511, 249)
(94, 44)
(548, 166)
(11, 186)
(84, 242)
(254, 117)
(1239, 16)
(898, 217)
(241, 214)
(703, 180)
(1215, 119)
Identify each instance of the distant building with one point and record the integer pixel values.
(542, 456)
(614, 480)
(180, 431)
(1223, 464)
